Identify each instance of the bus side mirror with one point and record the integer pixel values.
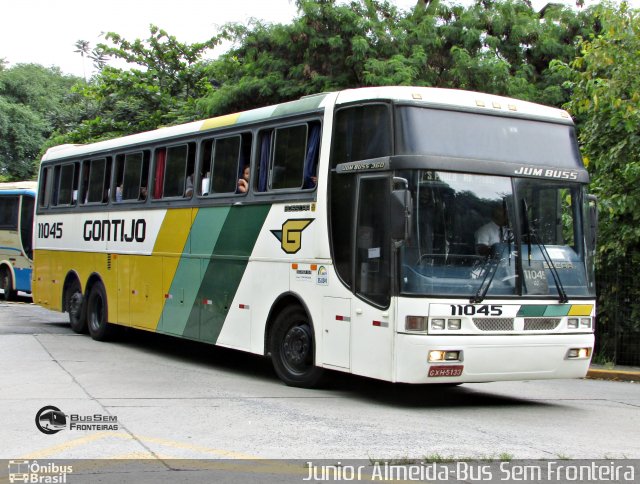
(592, 203)
(401, 214)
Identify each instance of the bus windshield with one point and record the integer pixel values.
(479, 236)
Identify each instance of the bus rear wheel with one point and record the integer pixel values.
(74, 303)
(6, 284)
(292, 349)
(97, 314)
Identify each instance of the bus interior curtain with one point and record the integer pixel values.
(242, 160)
(161, 156)
(311, 160)
(265, 146)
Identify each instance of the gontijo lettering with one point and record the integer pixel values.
(118, 230)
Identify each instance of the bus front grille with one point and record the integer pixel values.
(494, 324)
(541, 324)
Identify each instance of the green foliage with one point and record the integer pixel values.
(34, 102)
(606, 99)
(160, 87)
(502, 47)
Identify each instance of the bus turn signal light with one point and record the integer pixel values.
(415, 323)
(579, 353)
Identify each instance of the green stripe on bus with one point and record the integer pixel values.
(557, 310)
(539, 310)
(224, 271)
(204, 234)
(531, 311)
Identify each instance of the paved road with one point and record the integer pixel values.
(179, 399)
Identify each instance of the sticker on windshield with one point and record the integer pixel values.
(535, 278)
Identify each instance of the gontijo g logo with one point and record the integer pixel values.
(290, 236)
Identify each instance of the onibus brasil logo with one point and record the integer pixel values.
(51, 420)
(38, 472)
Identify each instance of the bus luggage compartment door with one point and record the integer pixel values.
(336, 332)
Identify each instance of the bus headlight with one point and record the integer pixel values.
(438, 356)
(437, 323)
(573, 323)
(454, 323)
(415, 323)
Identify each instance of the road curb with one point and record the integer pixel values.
(615, 375)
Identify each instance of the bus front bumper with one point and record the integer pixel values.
(491, 358)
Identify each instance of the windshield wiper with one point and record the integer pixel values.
(531, 234)
(490, 268)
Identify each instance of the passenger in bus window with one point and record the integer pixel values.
(206, 182)
(188, 191)
(119, 192)
(243, 183)
(143, 193)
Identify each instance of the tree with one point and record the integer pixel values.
(498, 46)
(34, 102)
(606, 102)
(160, 87)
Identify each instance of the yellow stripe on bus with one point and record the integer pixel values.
(581, 310)
(220, 121)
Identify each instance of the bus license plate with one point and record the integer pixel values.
(449, 370)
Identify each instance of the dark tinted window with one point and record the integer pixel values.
(289, 155)
(373, 243)
(9, 212)
(65, 184)
(361, 133)
(26, 224)
(44, 192)
(479, 136)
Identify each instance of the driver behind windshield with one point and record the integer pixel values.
(491, 233)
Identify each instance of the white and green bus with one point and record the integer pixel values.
(17, 201)
(348, 231)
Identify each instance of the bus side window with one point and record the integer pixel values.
(361, 133)
(44, 191)
(95, 180)
(289, 152)
(9, 212)
(66, 184)
(174, 171)
(132, 170)
(288, 157)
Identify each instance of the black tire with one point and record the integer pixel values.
(98, 314)
(74, 303)
(6, 284)
(292, 349)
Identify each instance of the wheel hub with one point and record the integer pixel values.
(296, 346)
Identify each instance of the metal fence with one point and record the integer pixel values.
(618, 315)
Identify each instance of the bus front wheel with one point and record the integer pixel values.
(6, 284)
(292, 349)
(97, 313)
(75, 307)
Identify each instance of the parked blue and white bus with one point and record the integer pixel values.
(17, 202)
